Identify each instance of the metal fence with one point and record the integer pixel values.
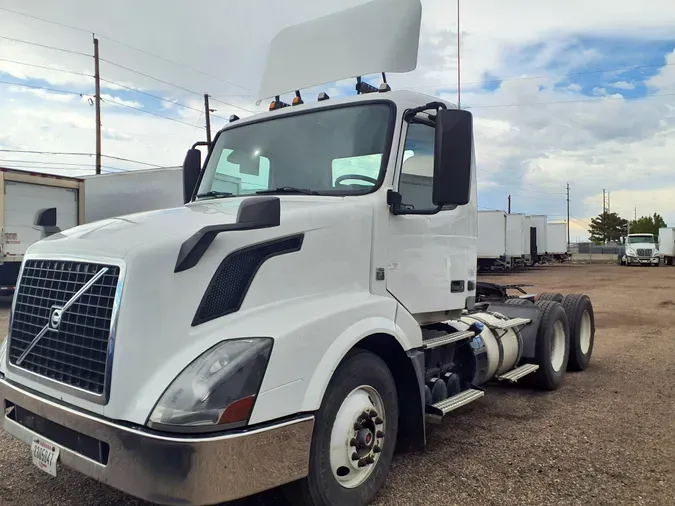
(589, 248)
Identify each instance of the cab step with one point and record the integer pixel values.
(436, 412)
(515, 374)
(435, 342)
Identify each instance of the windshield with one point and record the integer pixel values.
(636, 239)
(336, 151)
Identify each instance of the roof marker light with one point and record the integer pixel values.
(323, 96)
(233, 118)
(278, 104)
(298, 99)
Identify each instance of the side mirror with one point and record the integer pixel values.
(45, 221)
(453, 154)
(192, 166)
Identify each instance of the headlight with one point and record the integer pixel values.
(217, 391)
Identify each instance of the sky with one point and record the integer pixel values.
(576, 92)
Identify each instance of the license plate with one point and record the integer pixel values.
(45, 455)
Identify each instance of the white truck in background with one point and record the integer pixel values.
(556, 242)
(77, 200)
(516, 239)
(294, 332)
(667, 245)
(492, 241)
(640, 249)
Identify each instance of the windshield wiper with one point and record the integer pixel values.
(288, 189)
(214, 194)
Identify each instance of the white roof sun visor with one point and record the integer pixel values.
(378, 36)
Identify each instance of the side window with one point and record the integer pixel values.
(237, 173)
(417, 174)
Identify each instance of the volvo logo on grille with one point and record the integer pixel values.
(55, 317)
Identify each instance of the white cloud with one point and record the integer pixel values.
(623, 85)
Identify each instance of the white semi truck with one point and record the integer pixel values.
(640, 249)
(293, 332)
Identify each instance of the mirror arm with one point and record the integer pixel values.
(411, 113)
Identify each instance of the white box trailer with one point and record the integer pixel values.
(538, 249)
(77, 200)
(667, 245)
(491, 240)
(515, 235)
(556, 241)
(527, 239)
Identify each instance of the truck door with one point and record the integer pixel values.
(21, 202)
(430, 256)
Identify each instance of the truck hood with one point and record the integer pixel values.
(160, 328)
(116, 237)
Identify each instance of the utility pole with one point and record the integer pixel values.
(568, 216)
(604, 217)
(459, 96)
(97, 80)
(609, 208)
(207, 113)
(509, 206)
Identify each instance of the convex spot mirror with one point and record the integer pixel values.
(453, 153)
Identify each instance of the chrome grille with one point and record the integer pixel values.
(75, 352)
(642, 252)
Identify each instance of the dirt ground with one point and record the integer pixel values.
(604, 438)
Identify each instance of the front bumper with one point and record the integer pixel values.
(643, 261)
(169, 470)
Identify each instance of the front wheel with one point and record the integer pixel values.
(354, 436)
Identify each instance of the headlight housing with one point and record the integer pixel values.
(217, 391)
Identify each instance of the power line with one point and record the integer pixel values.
(73, 165)
(126, 45)
(53, 90)
(45, 46)
(70, 153)
(46, 68)
(108, 101)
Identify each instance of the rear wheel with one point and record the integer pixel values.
(558, 297)
(581, 319)
(354, 436)
(552, 346)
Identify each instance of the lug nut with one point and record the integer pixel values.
(355, 456)
(370, 459)
(363, 463)
(379, 421)
(352, 442)
(380, 434)
(364, 416)
(373, 413)
(357, 426)
(377, 449)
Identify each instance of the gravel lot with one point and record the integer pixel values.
(604, 438)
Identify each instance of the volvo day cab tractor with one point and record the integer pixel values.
(641, 249)
(307, 312)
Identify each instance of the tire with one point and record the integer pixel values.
(321, 486)
(517, 301)
(553, 320)
(581, 319)
(558, 297)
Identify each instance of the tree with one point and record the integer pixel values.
(608, 227)
(647, 225)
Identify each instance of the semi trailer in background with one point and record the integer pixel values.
(515, 239)
(537, 237)
(77, 200)
(667, 245)
(556, 242)
(492, 241)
